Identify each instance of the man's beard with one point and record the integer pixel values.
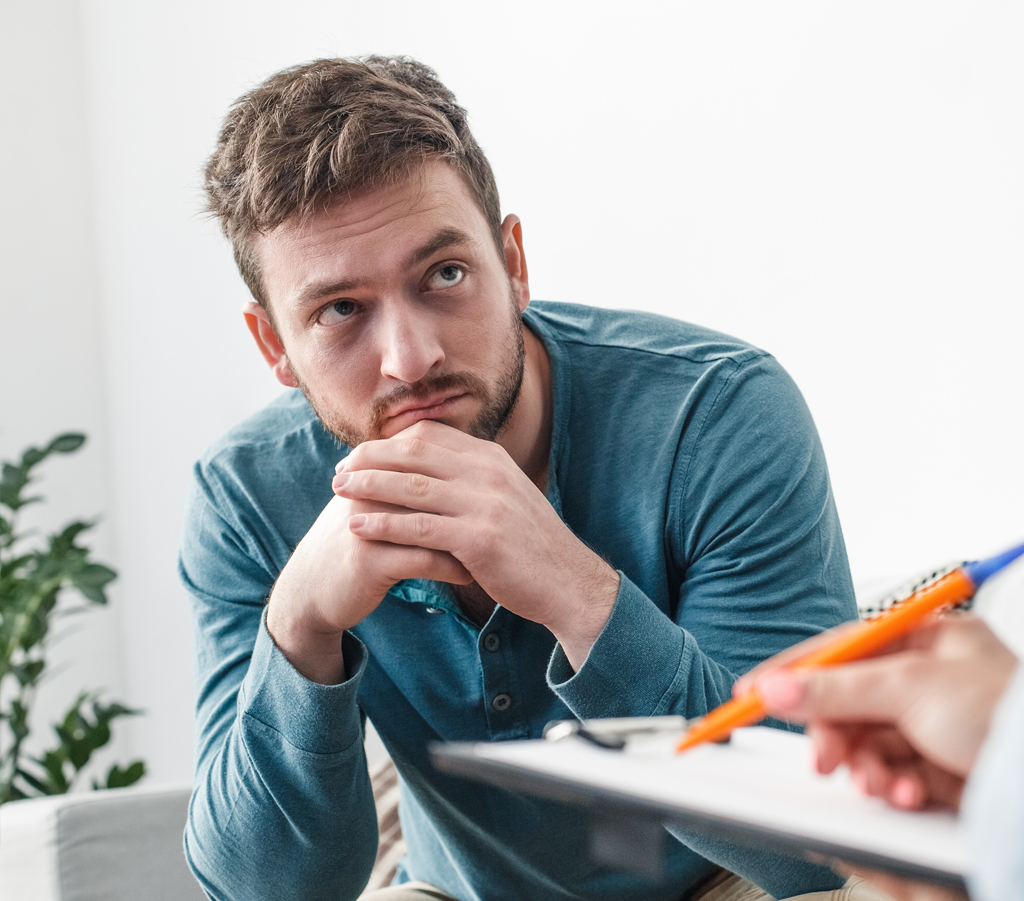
(499, 398)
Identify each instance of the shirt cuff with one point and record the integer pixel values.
(321, 719)
(631, 668)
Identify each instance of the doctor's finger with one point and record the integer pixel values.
(869, 691)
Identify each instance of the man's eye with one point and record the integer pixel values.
(337, 312)
(446, 277)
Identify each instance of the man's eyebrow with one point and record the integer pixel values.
(446, 237)
(315, 290)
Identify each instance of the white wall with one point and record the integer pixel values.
(51, 330)
(839, 183)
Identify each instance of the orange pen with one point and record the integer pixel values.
(857, 643)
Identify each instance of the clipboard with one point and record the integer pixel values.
(759, 790)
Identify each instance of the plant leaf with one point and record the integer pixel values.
(28, 672)
(12, 480)
(53, 763)
(121, 778)
(32, 576)
(42, 786)
(63, 542)
(79, 735)
(91, 579)
(67, 443)
(17, 719)
(10, 566)
(32, 457)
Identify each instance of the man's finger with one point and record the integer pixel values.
(406, 562)
(407, 454)
(422, 530)
(403, 491)
(432, 448)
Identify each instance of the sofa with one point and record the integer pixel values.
(110, 845)
(127, 843)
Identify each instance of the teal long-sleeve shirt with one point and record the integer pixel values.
(686, 458)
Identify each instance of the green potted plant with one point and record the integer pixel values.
(34, 573)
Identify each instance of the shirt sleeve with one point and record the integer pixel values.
(754, 540)
(993, 807)
(282, 799)
(758, 556)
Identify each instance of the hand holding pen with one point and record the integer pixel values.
(856, 641)
(910, 722)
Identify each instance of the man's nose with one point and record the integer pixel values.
(409, 345)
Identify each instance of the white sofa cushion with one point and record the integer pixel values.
(111, 845)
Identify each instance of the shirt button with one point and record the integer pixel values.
(491, 641)
(501, 702)
(434, 610)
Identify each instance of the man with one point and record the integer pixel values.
(912, 726)
(540, 511)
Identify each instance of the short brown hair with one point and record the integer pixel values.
(324, 130)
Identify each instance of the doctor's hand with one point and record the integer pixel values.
(900, 888)
(909, 723)
(471, 501)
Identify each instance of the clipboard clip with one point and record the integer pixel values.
(614, 733)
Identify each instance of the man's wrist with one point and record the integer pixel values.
(587, 617)
(315, 654)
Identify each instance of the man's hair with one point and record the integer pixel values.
(326, 130)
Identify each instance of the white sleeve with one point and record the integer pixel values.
(993, 805)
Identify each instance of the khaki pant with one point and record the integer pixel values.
(729, 887)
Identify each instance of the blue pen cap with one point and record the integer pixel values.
(980, 570)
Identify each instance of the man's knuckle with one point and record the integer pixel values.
(418, 485)
(492, 480)
(414, 448)
(423, 526)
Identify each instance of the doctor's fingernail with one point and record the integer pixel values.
(357, 522)
(339, 480)
(905, 792)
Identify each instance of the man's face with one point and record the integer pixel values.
(396, 306)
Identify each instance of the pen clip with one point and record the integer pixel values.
(611, 742)
(614, 733)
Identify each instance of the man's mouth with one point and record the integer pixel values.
(437, 407)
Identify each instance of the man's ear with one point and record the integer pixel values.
(515, 258)
(258, 321)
